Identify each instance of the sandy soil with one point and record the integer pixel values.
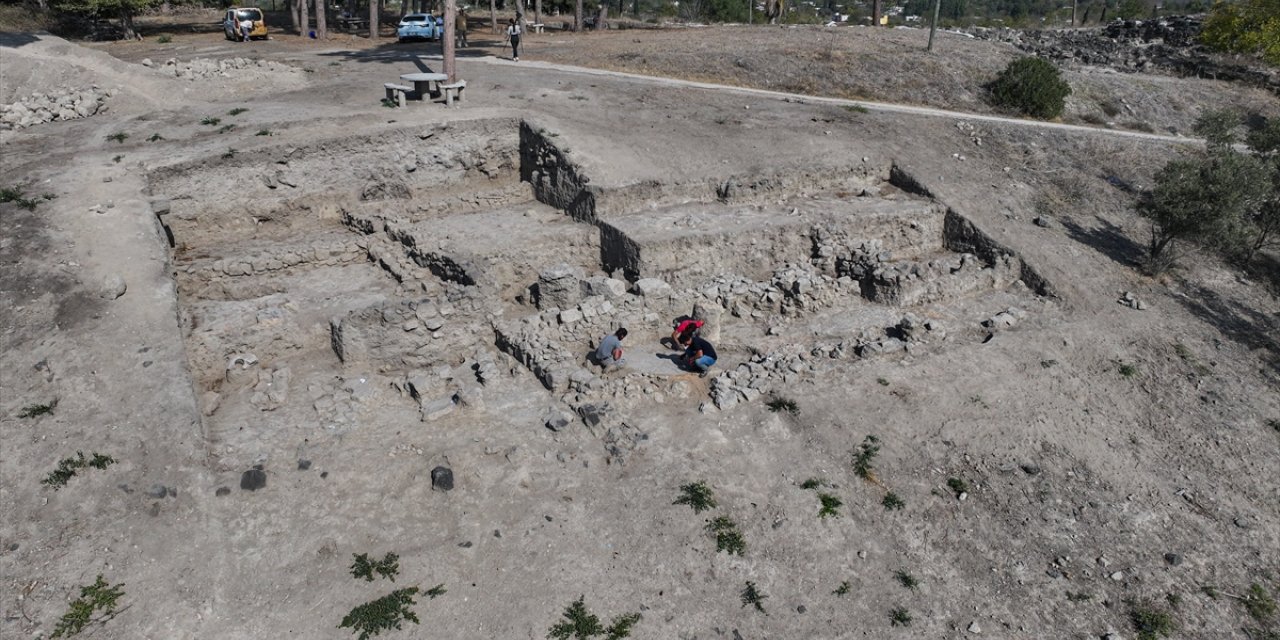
(1095, 439)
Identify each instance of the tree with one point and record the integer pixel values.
(1032, 86)
(1251, 26)
(304, 16)
(322, 19)
(577, 16)
(373, 19)
(124, 10)
(1224, 198)
(773, 10)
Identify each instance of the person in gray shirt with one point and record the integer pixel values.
(609, 353)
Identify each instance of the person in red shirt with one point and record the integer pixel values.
(686, 329)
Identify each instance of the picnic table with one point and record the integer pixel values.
(352, 23)
(425, 83)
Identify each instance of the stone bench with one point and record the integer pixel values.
(536, 27)
(451, 91)
(398, 92)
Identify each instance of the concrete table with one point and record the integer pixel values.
(425, 83)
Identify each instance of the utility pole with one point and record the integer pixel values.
(933, 25)
(446, 40)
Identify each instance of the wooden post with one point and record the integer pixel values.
(450, 15)
(933, 26)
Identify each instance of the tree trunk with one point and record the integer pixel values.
(322, 19)
(875, 13)
(537, 11)
(447, 40)
(1075, 4)
(577, 16)
(373, 19)
(126, 24)
(304, 15)
(493, 15)
(293, 14)
(602, 17)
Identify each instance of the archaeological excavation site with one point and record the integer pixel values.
(465, 272)
(282, 361)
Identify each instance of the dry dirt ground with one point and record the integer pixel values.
(344, 297)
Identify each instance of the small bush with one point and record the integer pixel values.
(906, 580)
(226, 127)
(97, 596)
(698, 496)
(783, 404)
(384, 614)
(864, 455)
(1245, 27)
(117, 159)
(210, 121)
(1079, 597)
(1150, 622)
(728, 538)
(37, 410)
(892, 502)
(843, 589)
(67, 468)
(1259, 603)
(388, 567)
(856, 108)
(581, 624)
(237, 111)
(263, 132)
(1031, 86)
(1127, 370)
(118, 137)
(751, 596)
(830, 505)
(900, 617)
(164, 38)
(155, 137)
(812, 483)
(10, 194)
(958, 486)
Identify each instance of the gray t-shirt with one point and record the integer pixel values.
(604, 352)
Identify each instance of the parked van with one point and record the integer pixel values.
(231, 23)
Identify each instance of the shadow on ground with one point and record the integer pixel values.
(1108, 239)
(1237, 322)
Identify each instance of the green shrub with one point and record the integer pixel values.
(1251, 26)
(1031, 86)
(384, 614)
(164, 38)
(97, 596)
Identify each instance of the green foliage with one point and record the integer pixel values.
(1031, 86)
(436, 591)
(97, 596)
(1131, 9)
(1224, 198)
(389, 103)
(226, 127)
(164, 38)
(1259, 603)
(119, 137)
(900, 617)
(728, 538)
(843, 589)
(37, 410)
(882, 382)
(906, 580)
(388, 567)
(10, 194)
(237, 111)
(1126, 370)
(67, 468)
(830, 505)
(155, 137)
(698, 496)
(957, 486)
(1173, 599)
(751, 596)
(892, 502)
(1210, 590)
(812, 483)
(384, 614)
(263, 132)
(856, 108)
(581, 624)
(117, 159)
(1251, 27)
(1079, 597)
(210, 121)
(864, 455)
(783, 404)
(1150, 622)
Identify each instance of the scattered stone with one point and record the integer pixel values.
(1173, 559)
(303, 464)
(157, 491)
(209, 402)
(974, 628)
(651, 287)
(801, 609)
(1030, 469)
(559, 287)
(558, 420)
(442, 479)
(222, 491)
(1117, 576)
(1041, 221)
(113, 286)
(253, 479)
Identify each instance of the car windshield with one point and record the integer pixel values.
(413, 18)
(248, 14)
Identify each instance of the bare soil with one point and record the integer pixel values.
(1108, 452)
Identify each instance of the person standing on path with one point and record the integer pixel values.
(513, 36)
(460, 28)
(609, 353)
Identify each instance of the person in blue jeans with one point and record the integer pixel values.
(698, 354)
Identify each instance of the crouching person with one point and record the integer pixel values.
(609, 353)
(699, 355)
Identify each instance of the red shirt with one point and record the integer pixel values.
(685, 326)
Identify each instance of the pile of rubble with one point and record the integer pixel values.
(60, 104)
(201, 68)
(1166, 45)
